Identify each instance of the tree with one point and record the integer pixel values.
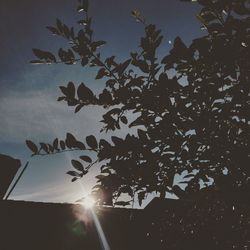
(195, 122)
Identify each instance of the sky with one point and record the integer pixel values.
(28, 93)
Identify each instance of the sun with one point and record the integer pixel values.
(88, 202)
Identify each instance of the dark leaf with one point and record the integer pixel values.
(73, 173)
(62, 145)
(215, 28)
(44, 55)
(84, 61)
(84, 93)
(86, 158)
(104, 144)
(37, 62)
(61, 98)
(105, 97)
(59, 25)
(77, 165)
(124, 119)
(32, 146)
(55, 144)
(189, 175)
(74, 179)
(80, 145)
(141, 197)
(44, 147)
(78, 107)
(64, 90)
(122, 67)
(110, 83)
(91, 141)
(51, 148)
(101, 73)
(122, 203)
(137, 122)
(53, 30)
(116, 140)
(70, 140)
(96, 45)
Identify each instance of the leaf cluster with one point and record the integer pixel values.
(195, 121)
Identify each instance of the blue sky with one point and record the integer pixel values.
(28, 93)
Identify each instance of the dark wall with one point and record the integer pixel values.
(207, 224)
(8, 169)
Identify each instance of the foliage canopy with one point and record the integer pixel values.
(192, 107)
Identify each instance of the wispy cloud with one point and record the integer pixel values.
(37, 114)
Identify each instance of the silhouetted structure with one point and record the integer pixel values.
(210, 223)
(8, 169)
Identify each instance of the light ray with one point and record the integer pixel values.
(101, 235)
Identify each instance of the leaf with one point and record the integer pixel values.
(110, 61)
(66, 56)
(84, 93)
(44, 147)
(59, 25)
(91, 141)
(122, 203)
(61, 98)
(110, 83)
(55, 144)
(74, 179)
(38, 53)
(122, 67)
(141, 197)
(86, 158)
(142, 65)
(137, 122)
(73, 173)
(189, 175)
(51, 148)
(66, 32)
(84, 61)
(98, 44)
(37, 62)
(77, 165)
(215, 28)
(106, 170)
(126, 189)
(53, 30)
(80, 145)
(68, 91)
(116, 140)
(180, 49)
(79, 107)
(104, 144)
(105, 97)
(183, 182)
(64, 90)
(32, 146)
(62, 145)
(101, 73)
(44, 55)
(124, 119)
(70, 140)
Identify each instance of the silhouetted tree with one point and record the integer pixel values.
(192, 107)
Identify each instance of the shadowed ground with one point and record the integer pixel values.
(163, 224)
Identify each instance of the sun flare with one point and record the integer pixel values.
(88, 202)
